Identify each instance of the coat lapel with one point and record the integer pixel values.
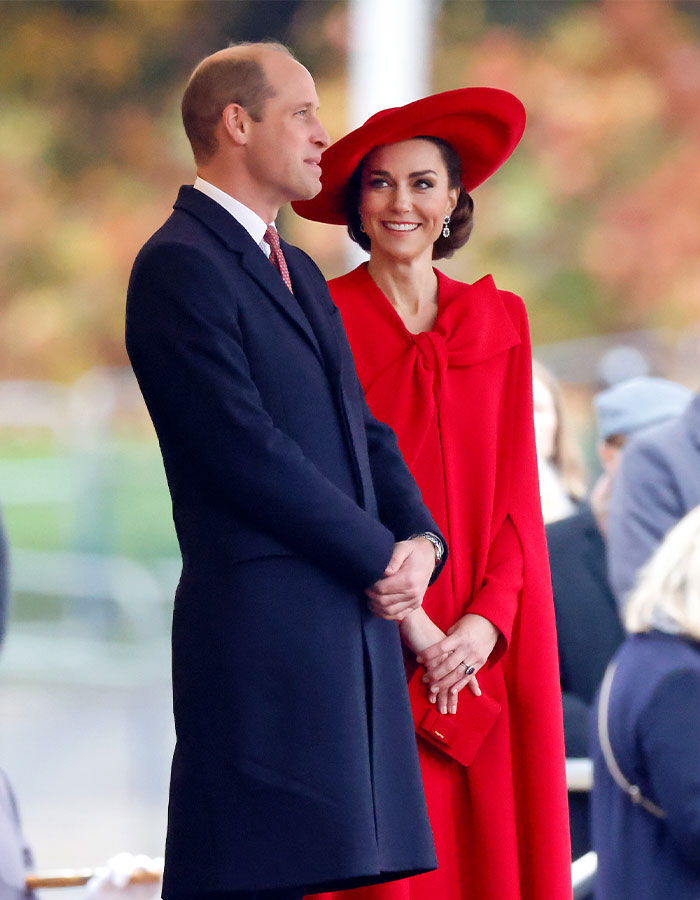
(309, 308)
(318, 309)
(325, 320)
(259, 267)
(252, 259)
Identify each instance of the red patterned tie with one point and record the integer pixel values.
(276, 256)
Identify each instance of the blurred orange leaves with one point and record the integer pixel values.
(594, 219)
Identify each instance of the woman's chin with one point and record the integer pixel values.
(395, 251)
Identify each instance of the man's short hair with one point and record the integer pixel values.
(219, 81)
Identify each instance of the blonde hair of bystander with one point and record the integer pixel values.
(565, 453)
(667, 596)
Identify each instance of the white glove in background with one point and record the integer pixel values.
(111, 881)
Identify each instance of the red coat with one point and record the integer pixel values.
(460, 401)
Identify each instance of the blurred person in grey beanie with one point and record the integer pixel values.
(588, 625)
(658, 482)
(623, 410)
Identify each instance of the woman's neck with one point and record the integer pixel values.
(411, 286)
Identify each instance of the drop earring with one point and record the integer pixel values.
(446, 227)
(362, 226)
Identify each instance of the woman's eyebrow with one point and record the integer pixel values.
(411, 175)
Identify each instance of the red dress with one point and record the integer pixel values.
(460, 401)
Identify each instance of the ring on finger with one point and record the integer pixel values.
(469, 670)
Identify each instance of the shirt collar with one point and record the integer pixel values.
(251, 221)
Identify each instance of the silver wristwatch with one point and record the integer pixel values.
(435, 541)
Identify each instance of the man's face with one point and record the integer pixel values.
(284, 149)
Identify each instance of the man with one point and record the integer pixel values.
(295, 767)
(589, 629)
(657, 484)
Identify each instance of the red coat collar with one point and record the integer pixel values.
(472, 323)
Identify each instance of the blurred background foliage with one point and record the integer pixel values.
(594, 220)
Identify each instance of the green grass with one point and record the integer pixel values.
(115, 501)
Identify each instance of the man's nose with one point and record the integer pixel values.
(321, 138)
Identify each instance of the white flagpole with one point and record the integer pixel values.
(390, 60)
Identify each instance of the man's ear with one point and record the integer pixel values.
(608, 456)
(236, 122)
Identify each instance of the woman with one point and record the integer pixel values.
(448, 366)
(648, 721)
(560, 466)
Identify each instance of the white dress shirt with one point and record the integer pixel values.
(251, 221)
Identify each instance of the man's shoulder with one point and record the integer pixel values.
(182, 249)
(178, 230)
(654, 450)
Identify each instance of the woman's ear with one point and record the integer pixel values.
(452, 197)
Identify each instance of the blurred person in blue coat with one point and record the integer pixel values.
(112, 880)
(657, 484)
(589, 629)
(15, 856)
(646, 735)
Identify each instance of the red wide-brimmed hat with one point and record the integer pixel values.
(483, 125)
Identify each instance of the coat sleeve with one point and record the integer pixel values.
(497, 598)
(644, 506)
(670, 735)
(399, 500)
(188, 354)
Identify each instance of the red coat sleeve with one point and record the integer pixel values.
(497, 598)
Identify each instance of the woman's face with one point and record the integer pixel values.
(404, 199)
(545, 419)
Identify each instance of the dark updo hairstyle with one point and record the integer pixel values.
(461, 220)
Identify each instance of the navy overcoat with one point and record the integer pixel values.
(295, 761)
(654, 724)
(589, 631)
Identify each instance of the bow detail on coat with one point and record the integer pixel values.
(433, 355)
(472, 326)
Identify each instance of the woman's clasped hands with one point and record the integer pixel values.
(467, 645)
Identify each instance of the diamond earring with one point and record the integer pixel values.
(446, 227)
